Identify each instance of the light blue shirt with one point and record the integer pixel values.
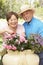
(34, 27)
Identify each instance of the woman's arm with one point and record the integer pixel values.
(2, 31)
(6, 30)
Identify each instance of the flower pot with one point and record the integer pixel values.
(26, 57)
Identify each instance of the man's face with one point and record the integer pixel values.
(27, 15)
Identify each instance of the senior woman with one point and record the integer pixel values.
(13, 26)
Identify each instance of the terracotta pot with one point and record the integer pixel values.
(26, 57)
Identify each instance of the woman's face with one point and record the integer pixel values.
(27, 16)
(13, 21)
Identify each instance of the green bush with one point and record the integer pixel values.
(0, 40)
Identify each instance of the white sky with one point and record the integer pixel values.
(32, 0)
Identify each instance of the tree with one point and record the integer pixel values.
(3, 8)
(41, 2)
(10, 5)
(36, 4)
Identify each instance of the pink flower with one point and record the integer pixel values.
(22, 38)
(7, 46)
(14, 48)
(8, 37)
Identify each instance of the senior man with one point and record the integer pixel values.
(32, 25)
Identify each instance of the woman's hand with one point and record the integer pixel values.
(6, 30)
(9, 31)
